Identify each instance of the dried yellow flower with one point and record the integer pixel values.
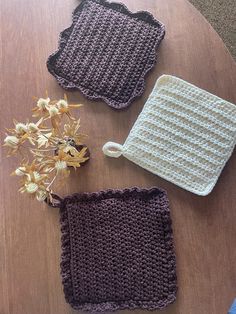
(62, 104)
(53, 111)
(43, 103)
(53, 146)
(11, 141)
(31, 187)
(60, 165)
(20, 171)
(32, 127)
(21, 128)
(36, 176)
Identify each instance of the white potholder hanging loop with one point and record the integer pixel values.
(112, 149)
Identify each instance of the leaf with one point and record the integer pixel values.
(43, 139)
(31, 141)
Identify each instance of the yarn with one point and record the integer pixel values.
(106, 52)
(183, 134)
(117, 250)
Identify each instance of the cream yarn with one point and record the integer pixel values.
(183, 134)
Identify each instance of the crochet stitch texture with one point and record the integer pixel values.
(183, 134)
(106, 52)
(117, 250)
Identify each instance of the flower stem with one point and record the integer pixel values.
(52, 182)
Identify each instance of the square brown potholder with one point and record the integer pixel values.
(117, 250)
(106, 52)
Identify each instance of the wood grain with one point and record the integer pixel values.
(204, 227)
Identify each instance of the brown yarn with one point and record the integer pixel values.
(107, 52)
(117, 250)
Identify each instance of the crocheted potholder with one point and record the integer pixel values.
(106, 52)
(184, 134)
(117, 250)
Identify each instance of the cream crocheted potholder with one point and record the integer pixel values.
(183, 134)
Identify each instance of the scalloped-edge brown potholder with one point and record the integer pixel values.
(106, 52)
(117, 250)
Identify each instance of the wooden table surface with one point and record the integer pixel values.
(204, 227)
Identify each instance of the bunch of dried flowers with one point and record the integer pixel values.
(48, 147)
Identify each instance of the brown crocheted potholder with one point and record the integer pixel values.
(117, 250)
(106, 52)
